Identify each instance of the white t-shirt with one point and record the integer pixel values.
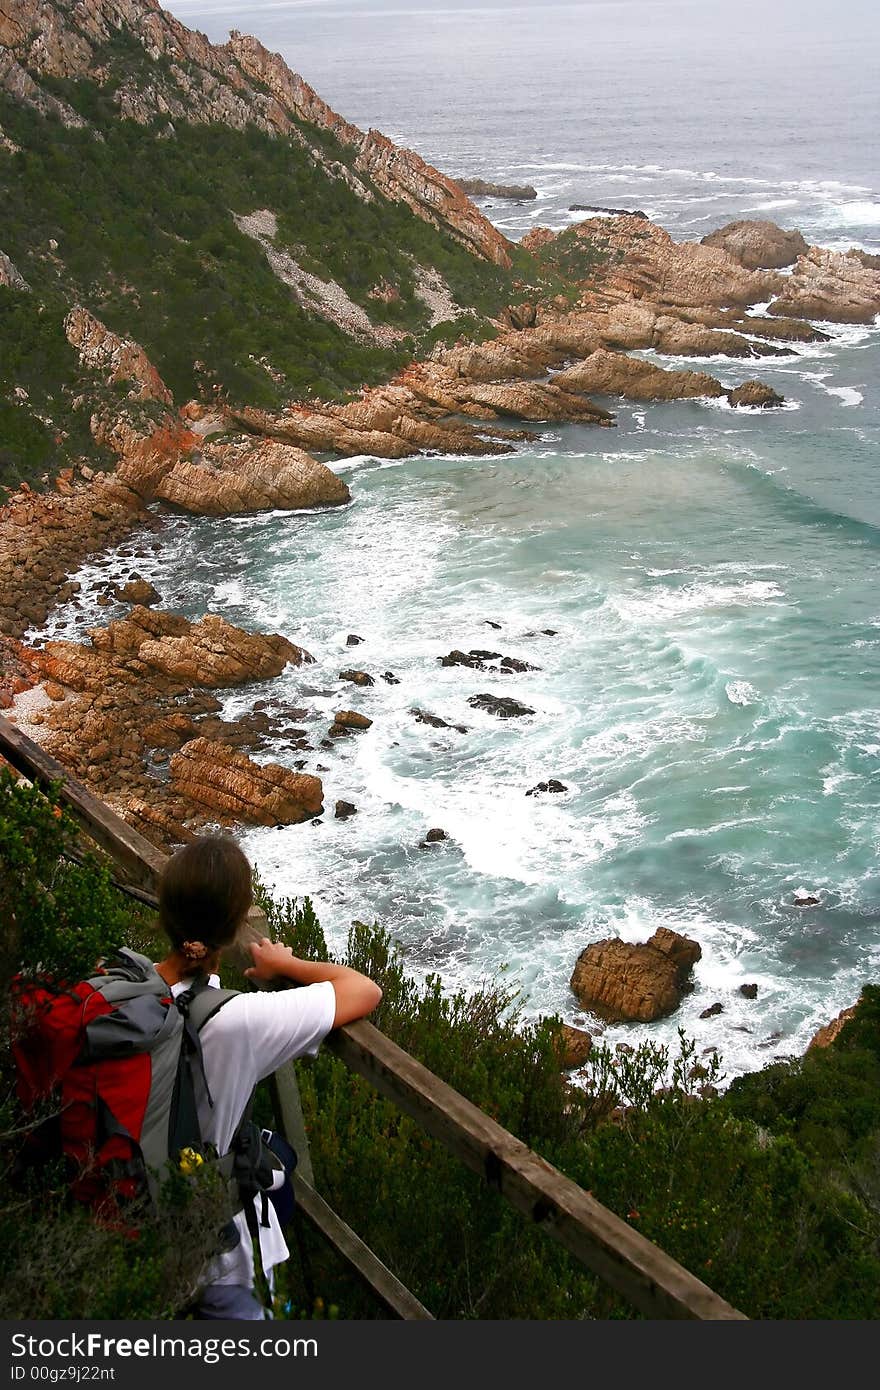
(245, 1041)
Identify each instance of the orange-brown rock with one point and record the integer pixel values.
(116, 359)
(626, 982)
(639, 260)
(250, 475)
(156, 823)
(831, 286)
(43, 537)
(575, 1046)
(758, 245)
(536, 238)
(214, 653)
(831, 1031)
(137, 590)
(681, 339)
(755, 393)
(211, 653)
(230, 783)
(350, 719)
(615, 374)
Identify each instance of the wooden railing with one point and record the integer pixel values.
(649, 1279)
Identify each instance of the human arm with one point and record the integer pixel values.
(356, 994)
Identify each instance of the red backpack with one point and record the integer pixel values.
(118, 1061)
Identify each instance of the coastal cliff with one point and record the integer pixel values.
(209, 278)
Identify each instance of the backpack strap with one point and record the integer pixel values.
(206, 1002)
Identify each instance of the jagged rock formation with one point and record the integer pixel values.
(223, 780)
(247, 475)
(625, 982)
(829, 1033)
(641, 281)
(615, 374)
(44, 536)
(830, 285)
(575, 1046)
(210, 653)
(115, 359)
(758, 245)
(139, 688)
(239, 83)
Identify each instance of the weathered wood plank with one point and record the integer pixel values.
(395, 1296)
(648, 1278)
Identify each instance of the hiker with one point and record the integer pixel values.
(204, 894)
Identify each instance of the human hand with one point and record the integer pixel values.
(271, 959)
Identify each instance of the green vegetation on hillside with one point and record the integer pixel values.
(769, 1193)
(143, 219)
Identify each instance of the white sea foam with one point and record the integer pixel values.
(661, 604)
(740, 693)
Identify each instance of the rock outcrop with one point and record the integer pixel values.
(10, 276)
(211, 653)
(480, 188)
(249, 475)
(575, 1046)
(115, 359)
(625, 982)
(755, 393)
(44, 536)
(615, 374)
(828, 1034)
(228, 782)
(831, 286)
(758, 245)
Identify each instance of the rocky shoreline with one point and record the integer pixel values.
(133, 712)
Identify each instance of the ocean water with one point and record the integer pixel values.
(708, 696)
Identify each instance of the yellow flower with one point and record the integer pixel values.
(190, 1161)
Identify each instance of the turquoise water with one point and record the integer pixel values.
(709, 698)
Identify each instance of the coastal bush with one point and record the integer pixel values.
(764, 1220)
(769, 1192)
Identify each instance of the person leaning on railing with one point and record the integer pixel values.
(205, 892)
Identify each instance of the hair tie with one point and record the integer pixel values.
(194, 950)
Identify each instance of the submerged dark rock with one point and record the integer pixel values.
(423, 717)
(611, 212)
(501, 706)
(480, 188)
(554, 785)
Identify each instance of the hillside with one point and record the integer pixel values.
(204, 202)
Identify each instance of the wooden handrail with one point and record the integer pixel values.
(640, 1271)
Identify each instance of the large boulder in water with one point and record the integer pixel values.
(755, 393)
(628, 982)
(758, 245)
